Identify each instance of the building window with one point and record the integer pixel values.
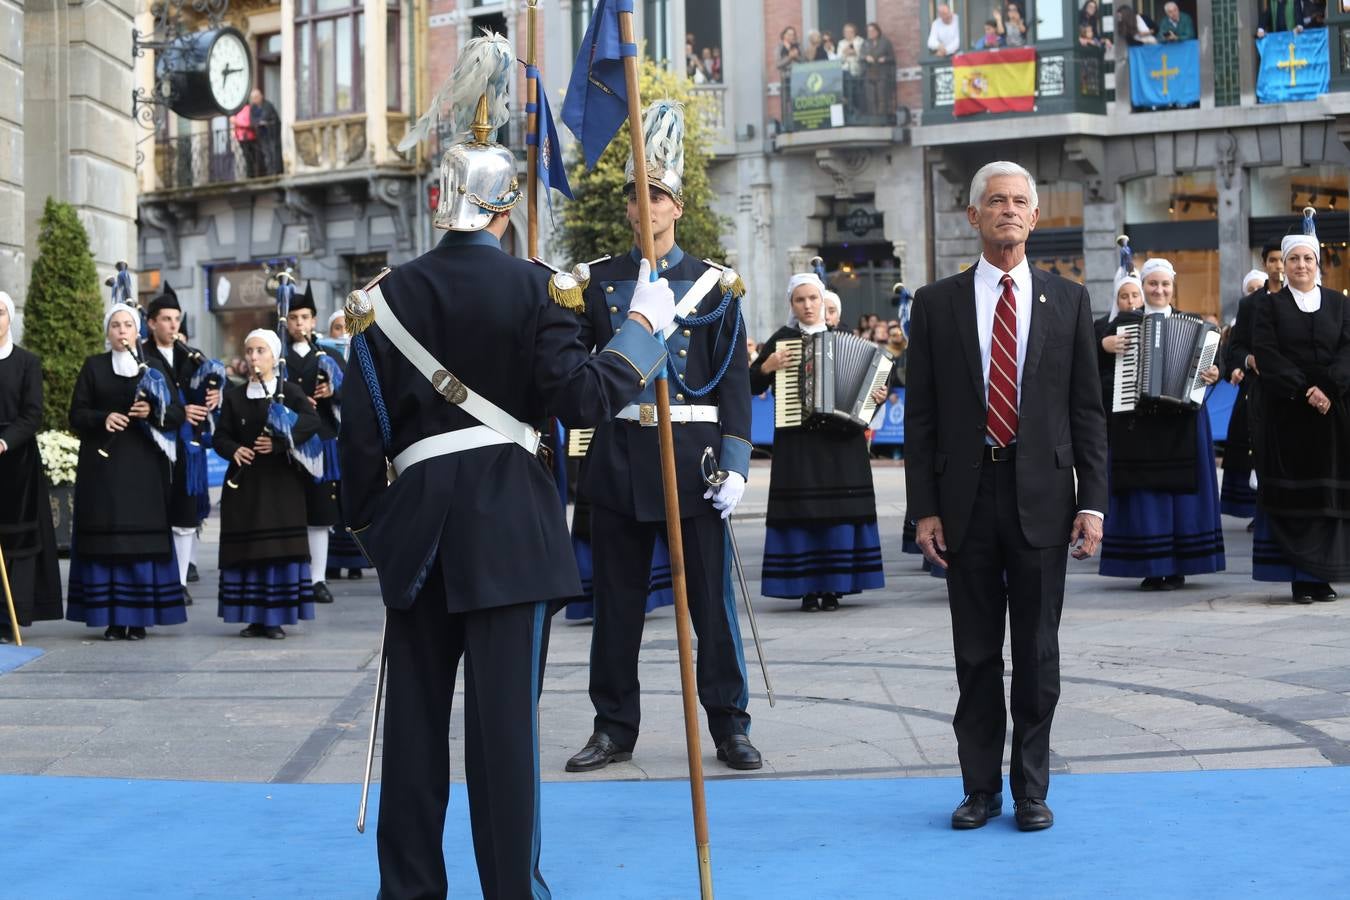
(703, 39)
(582, 10)
(834, 14)
(656, 28)
(393, 58)
(268, 79)
(330, 44)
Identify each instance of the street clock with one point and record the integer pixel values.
(206, 73)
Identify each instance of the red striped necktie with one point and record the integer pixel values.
(1001, 422)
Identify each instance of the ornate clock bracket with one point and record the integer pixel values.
(149, 108)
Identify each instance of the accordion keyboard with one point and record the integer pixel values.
(579, 441)
(1126, 388)
(787, 389)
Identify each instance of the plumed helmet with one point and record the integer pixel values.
(663, 132)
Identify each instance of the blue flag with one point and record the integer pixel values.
(597, 96)
(1293, 66)
(552, 172)
(1165, 75)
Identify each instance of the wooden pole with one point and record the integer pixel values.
(674, 537)
(532, 127)
(9, 599)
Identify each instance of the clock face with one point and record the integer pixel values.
(229, 71)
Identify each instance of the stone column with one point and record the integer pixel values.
(1235, 253)
(1103, 219)
(376, 86)
(956, 242)
(13, 272)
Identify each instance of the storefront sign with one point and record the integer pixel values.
(232, 286)
(817, 91)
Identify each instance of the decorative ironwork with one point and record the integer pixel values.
(150, 108)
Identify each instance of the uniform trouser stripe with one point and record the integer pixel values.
(729, 598)
(538, 889)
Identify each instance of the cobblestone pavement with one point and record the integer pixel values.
(1226, 673)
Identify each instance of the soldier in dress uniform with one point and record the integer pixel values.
(188, 499)
(458, 358)
(319, 374)
(710, 407)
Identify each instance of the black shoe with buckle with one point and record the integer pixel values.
(811, 603)
(193, 576)
(115, 633)
(599, 752)
(977, 809)
(1032, 814)
(257, 629)
(321, 593)
(738, 753)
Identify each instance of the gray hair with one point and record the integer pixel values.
(980, 183)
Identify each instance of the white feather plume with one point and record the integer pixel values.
(663, 129)
(484, 67)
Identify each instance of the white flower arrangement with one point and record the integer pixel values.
(60, 455)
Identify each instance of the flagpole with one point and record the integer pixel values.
(532, 128)
(675, 539)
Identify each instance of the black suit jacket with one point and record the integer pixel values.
(1061, 426)
(1241, 337)
(489, 519)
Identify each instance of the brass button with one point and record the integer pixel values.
(609, 289)
(642, 382)
(679, 397)
(687, 332)
(613, 309)
(684, 352)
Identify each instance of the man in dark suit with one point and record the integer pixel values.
(469, 540)
(1003, 408)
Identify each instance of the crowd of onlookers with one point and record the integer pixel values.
(702, 66)
(868, 63)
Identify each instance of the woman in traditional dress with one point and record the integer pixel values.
(123, 574)
(1300, 412)
(1163, 522)
(822, 540)
(1237, 497)
(1129, 297)
(264, 545)
(27, 538)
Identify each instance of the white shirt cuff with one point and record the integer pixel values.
(1092, 512)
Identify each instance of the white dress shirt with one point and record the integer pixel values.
(988, 291)
(167, 353)
(946, 36)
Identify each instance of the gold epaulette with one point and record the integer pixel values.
(358, 310)
(730, 280)
(567, 289)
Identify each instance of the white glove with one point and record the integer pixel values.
(653, 300)
(727, 494)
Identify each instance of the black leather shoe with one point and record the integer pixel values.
(187, 598)
(811, 603)
(1304, 592)
(738, 753)
(1032, 815)
(1172, 582)
(1323, 593)
(355, 575)
(1153, 584)
(599, 752)
(321, 593)
(136, 633)
(254, 630)
(193, 576)
(829, 602)
(115, 633)
(977, 809)
(274, 632)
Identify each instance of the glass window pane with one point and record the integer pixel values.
(302, 7)
(304, 72)
(343, 83)
(359, 81)
(392, 70)
(1184, 198)
(325, 66)
(322, 6)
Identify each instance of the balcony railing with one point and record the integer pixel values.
(213, 158)
(821, 95)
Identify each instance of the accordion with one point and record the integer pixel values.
(1163, 364)
(831, 381)
(579, 441)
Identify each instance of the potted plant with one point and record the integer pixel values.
(60, 452)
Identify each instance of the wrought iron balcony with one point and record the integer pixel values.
(216, 157)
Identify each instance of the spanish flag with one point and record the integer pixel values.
(994, 81)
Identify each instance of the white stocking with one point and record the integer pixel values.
(318, 553)
(184, 546)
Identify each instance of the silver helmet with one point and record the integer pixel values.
(663, 130)
(478, 180)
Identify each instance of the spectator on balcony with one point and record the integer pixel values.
(944, 35)
(247, 138)
(1176, 25)
(851, 58)
(267, 123)
(1134, 29)
(828, 46)
(717, 63)
(789, 54)
(991, 40)
(693, 66)
(1287, 15)
(814, 52)
(879, 59)
(712, 65)
(1012, 26)
(1090, 17)
(1086, 37)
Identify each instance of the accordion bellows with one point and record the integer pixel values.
(1164, 362)
(832, 380)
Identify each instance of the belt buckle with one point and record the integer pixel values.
(646, 414)
(545, 455)
(1000, 454)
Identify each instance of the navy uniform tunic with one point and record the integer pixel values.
(470, 548)
(621, 479)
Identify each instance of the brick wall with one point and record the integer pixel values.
(778, 14)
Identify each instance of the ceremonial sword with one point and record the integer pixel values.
(715, 477)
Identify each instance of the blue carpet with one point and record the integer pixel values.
(11, 657)
(1276, 832)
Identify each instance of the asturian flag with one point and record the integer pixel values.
(1165, 75)
(1293, 66)
(552, 172)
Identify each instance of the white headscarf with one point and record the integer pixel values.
(123, 362)
(1254, 275)
(256, 390)
(1122, 278)
(1157, 264)
(334, 317)
(7, 345)
(1291, 241)
(795, 282)
(269, 338)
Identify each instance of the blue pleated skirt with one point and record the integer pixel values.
(277, 593)
(1238, 497)
(659, 590)
(821, 559)
(1153, 534)
(131, 594)
(1269, 562)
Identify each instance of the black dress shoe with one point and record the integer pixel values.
(977, 809)
(1172, 582)
(115, 633)
(5, 636)
(193, 577)
(1304, 592)
(135, 633)
(599, 752)
(829, 602)
(738, 753)
(1032, 815)
(811, 603)
(1323, 593)
(254, 630)
(354, 575)
(187, 598)
(274, 632)
(321, 593)
(1153, 584)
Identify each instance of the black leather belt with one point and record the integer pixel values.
(1000, 454)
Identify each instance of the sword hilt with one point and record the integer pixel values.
(712, 476)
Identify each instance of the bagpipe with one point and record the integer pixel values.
(280, 418)
(153, 388)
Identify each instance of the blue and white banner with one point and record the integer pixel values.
(1293, 66)
(1165, 75)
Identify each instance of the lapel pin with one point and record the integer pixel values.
(1042, 298)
